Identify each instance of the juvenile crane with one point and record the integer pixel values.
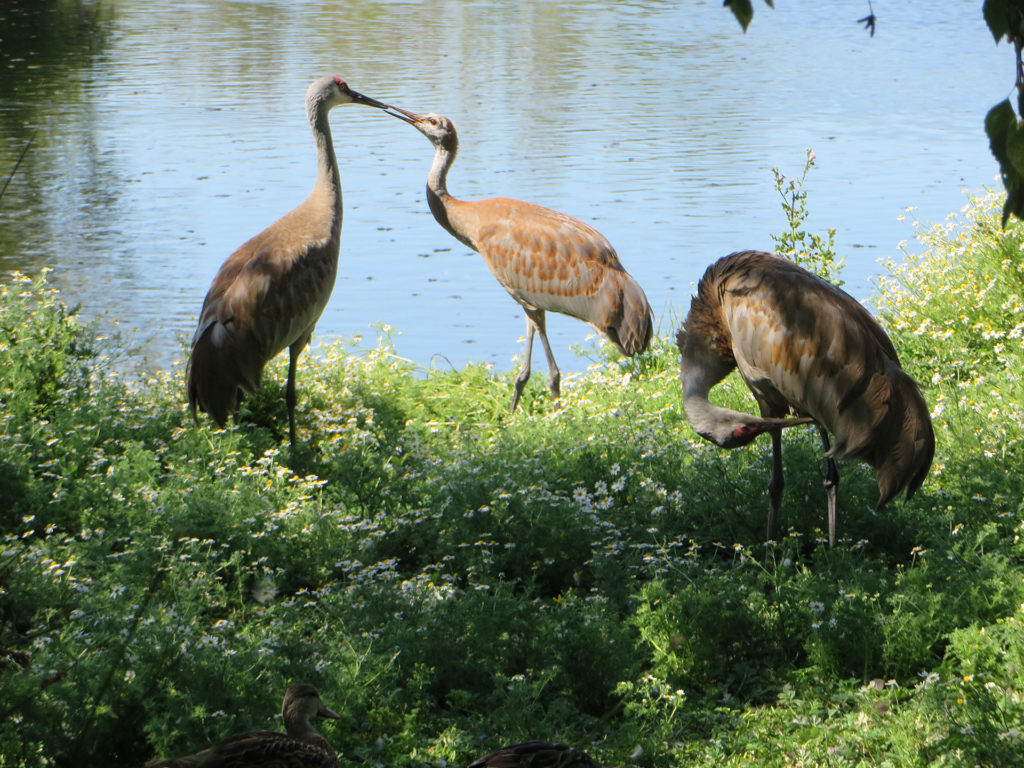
(301, 747)
(802, 346)
(270, 292)
(544, 259)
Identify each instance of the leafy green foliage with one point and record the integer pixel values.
(743, 10)
(970, 687)
(1006, 138)
(453, 577)
(1005, 19)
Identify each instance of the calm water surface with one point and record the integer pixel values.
(167, 133)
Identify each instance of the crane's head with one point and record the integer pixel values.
(438, 128)
(330, 90)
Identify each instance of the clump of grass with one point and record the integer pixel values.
(453, 577)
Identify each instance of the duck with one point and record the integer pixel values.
(302, 746)
(536, 754)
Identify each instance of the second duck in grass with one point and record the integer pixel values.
(536, 754)
(302, 746)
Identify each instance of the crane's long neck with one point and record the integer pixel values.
(440, 202)
(700, 370)
(327, 189)
(708, 420)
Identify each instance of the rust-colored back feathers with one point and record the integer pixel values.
(550, 261)
(546, 260)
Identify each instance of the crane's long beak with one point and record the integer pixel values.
(787, 422)
(758, 426)
(410, 117)
(358, 98)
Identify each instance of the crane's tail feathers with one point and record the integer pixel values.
(631, 331)
(681, 339)
(863, 420)
(887, 425)
(219, 369)
(906, 457)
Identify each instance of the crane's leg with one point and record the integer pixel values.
(289, 393)
(777, 483)
(831, 486)
(554, 375)
(524, 372)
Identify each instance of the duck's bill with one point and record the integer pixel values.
(328, 713)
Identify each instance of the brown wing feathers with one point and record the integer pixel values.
(805, 342)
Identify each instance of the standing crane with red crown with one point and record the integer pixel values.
(546, 260)
(270, 292)
(803, 347)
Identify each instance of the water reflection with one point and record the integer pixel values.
(168, 133)
(45, 47)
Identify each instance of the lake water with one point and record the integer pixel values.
(167, 133)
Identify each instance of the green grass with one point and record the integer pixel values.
(453, 577)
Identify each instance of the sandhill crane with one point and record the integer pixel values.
(302, 747)
(536, 754)
(270, 292)
(544, 259)
(803, 346)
